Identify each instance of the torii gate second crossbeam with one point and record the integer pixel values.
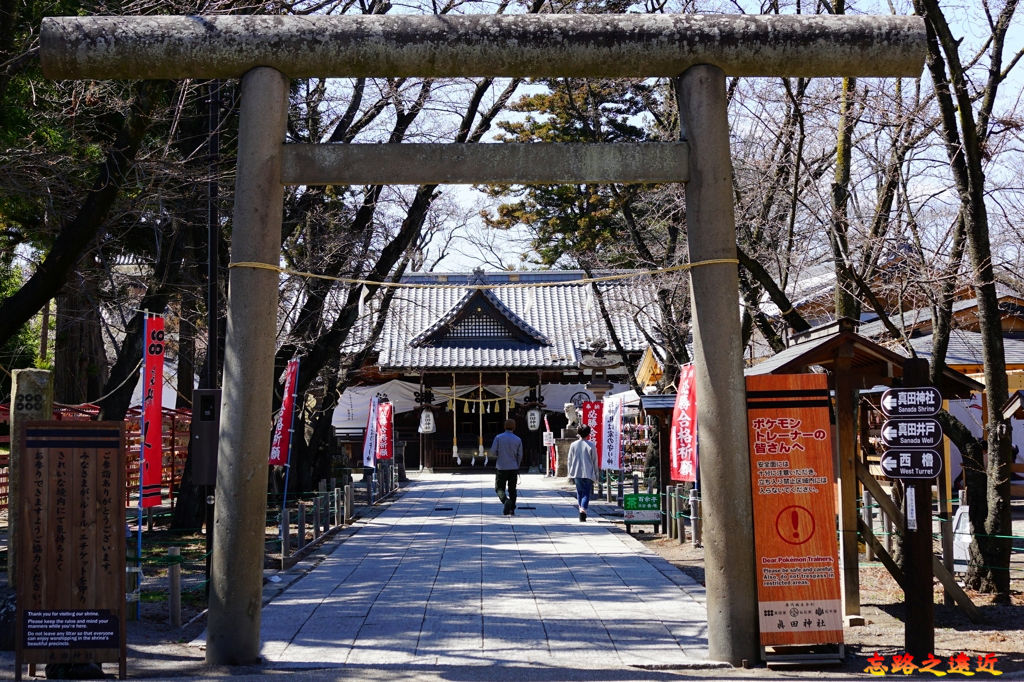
(700, 51)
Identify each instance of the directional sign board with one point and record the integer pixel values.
(924, 401)
(911, 433)
(921, 464)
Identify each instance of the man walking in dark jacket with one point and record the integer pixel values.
(507, 449)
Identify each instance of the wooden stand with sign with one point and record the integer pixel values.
(799, 603)
(916, 466)
(644, 508)
(71, 545)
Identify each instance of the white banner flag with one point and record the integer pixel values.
(370, 442)
(611, 432)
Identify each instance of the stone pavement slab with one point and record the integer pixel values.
(442, 578)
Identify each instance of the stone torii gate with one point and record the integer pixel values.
(265, 51)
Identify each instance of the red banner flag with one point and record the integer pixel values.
(593, 416)
(385, 431)
(683, 438)
(279, 447)
(152, 412)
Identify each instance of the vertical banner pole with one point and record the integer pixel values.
(142, 459)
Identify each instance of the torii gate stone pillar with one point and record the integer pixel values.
(701, 51)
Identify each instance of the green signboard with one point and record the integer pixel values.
(643, 507)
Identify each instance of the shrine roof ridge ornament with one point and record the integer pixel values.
(579, 45)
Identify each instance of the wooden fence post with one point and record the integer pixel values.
(174, 588)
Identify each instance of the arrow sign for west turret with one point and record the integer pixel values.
(924, 401)
(911, 433)
(911, 463)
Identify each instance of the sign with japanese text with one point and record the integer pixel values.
(923, 464)
(279, 446)
(911, 433)
(641, 507)
(549, 442)
(611, 436)
(910, 436)
(683, 431)
(796, 549)
(592, 415)
(385, 431)
(533, 419)
(71, 548)
(152, 412)
(923, 401)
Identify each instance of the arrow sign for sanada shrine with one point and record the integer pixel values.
(911, 433)
(911, 463)
(911, 402)
(910, 437)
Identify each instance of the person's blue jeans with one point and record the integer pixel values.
(584, 489)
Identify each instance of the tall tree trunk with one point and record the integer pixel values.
(965, 133)
(846, 303)
(79, 358)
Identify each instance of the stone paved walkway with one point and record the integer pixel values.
(441, 578)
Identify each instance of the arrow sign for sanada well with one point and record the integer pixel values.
(911, 402)
(911, 463)
(911, 433)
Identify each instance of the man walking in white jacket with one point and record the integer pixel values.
(583, 468)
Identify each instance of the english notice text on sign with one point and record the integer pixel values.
(80, 629)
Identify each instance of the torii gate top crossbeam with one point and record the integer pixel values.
(617, 45)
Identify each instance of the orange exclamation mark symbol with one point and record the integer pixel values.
(795, 518)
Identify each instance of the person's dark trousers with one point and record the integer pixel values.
(506, 478)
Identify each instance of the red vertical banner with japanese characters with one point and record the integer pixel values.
(796, 548)
(683, 436)
(385, 431)
(279, 446)
(152, 412)
(593, 416)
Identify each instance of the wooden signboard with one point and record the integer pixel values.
(797, 553)
(71, 544)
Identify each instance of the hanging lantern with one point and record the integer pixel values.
(427, 424)
(533, 418)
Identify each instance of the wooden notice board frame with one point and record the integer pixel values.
(797, 552)
(71, 544)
